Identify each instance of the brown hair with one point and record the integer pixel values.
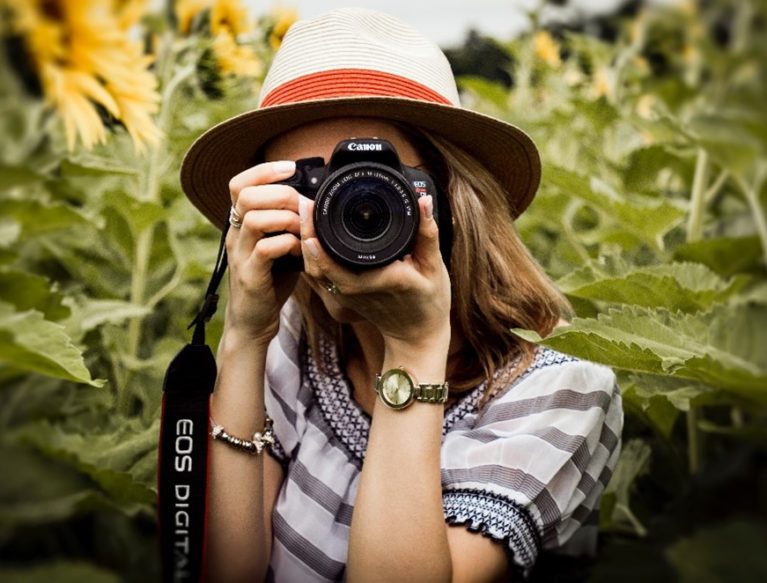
(496, 283)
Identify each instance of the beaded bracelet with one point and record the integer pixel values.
(260, 441)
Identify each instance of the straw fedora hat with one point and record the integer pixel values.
(354, 62)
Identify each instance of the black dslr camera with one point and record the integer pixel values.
(366, 205)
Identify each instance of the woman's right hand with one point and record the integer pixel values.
(255, 293)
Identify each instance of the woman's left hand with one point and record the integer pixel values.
(407, 300)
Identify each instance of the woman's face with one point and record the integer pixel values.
(320, 139)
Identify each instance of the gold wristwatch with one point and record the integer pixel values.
(398, 389)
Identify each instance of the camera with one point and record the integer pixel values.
(366, 205)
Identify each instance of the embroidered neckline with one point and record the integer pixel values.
(348, 420)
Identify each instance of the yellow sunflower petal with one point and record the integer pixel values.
(235, 59)
(130, 12)
(229, 16)
(186, 10)
(79, 115)
(546, 48)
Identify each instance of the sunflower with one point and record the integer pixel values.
(187, 11)
(85, 60)
(283, 20)
(546, 49)
(229, 23)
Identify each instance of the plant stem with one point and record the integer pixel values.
(150, 190)
(693, 439)
(744, 15)
(752, 197)
(695, 233)
(143, 249)
(716, 186)
(698, 198)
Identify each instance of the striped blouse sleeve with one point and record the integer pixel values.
(283, 390)
(529, 470)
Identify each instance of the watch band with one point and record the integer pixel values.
(431, 393)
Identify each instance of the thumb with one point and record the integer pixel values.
(426, 250)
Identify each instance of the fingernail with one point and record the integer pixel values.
(284, 167)
(429, 207)
(311, 245)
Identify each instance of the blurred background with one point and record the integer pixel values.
(651, 217)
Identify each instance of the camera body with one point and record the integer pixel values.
(366, 205)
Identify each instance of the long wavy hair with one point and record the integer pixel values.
(496, 284)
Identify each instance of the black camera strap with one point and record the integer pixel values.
(182, 477)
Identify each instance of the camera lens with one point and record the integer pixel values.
(366, 215)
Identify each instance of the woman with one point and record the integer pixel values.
(470, 488)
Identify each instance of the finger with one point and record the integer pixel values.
(265, 173)
(426, 252)
(317, 263)
(269, 249)
(257, 224)
(306, 214)
(267, 196)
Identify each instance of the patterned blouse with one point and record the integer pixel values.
(527, 471)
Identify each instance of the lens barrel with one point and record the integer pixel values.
(366, 215)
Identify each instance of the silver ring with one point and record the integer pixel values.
(331, 287)
(234, 218)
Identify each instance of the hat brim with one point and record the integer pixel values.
(231, 146)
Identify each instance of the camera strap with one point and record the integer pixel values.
(182, 469)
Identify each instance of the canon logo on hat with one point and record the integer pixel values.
(355, 147)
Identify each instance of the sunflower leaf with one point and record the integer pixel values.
(27, 290)
(30, 342)
(678, 286)
(644, 217)
(110, 459)
(725, 255)
(37, 218)
(722, 348)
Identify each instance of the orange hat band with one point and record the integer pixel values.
(350, 83)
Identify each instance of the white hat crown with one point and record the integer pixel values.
(348, 40)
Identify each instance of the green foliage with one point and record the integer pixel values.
(722, 348)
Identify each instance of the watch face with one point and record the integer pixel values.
(397, 389)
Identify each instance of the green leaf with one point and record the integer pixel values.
(647, 218)
(10, 230)
(60, 572)
(94, 265)
(17, 176)
(28, 290)
(725, 255)
(677, 286)
(90, 165)
(616, 502)
(659, 399)
(89, 313)
(655, 409)
(108, 458)
(494, 93)
(722, 348)
(35, 490)
(29, 342)
(139, 214)
(733, 551)
(729, 138)
(37, 218)
(644, 164)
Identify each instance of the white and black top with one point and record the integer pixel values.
(527, 471)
